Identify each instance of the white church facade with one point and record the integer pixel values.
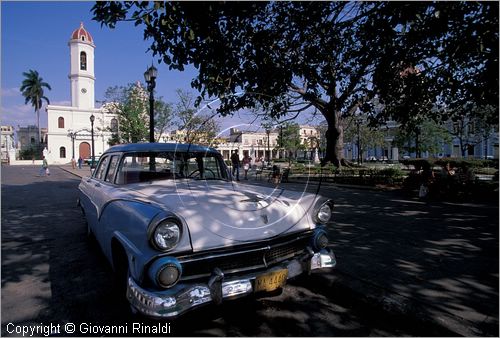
(69, 127)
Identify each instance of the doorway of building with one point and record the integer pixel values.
(84, 150)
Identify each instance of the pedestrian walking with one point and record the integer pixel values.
(80, 161)
(235, 161)
(427, 180)
(246, 165)
(44, 170)
(73, 163)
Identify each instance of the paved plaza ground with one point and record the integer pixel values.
(435, 261)
(429, 264)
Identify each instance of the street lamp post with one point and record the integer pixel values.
(92, 119)
(358, 123)
(72, 134)
(150, 77)
(268, 131)
(281, 142)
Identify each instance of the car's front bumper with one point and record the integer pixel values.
(184, 297)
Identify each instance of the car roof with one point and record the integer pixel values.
(177, 147)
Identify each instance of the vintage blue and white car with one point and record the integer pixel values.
(180, 233)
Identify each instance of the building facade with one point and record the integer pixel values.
(7, 145)
(465, 141)
(263, 145)
(253, 144)
(70, 128)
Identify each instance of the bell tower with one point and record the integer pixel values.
(81, 75)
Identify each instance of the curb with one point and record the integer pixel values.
(341, 185)
(71, 172)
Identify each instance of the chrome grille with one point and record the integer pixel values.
(244, 259)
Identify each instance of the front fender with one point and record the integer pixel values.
(127, 222)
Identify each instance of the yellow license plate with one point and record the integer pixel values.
(271, 281)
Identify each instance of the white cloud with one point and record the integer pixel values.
(22, 115)
(10, 92)
(18, 114)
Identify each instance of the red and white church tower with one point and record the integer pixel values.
(81, 75)
(69, 127)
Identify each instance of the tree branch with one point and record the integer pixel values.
(315, 101)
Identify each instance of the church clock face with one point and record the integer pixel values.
(84, 90)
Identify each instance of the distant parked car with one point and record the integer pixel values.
(371, 159)
(180, 234)
(383, 159)
(88, 161)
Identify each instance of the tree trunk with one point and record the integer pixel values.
(485, 147)
(462, 147)
(417, 143)
(39, 131)
(334, 152)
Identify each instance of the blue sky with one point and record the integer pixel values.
(35, 35)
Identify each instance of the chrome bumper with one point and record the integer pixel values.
(184, 297)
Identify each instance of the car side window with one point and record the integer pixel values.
(113, 164)
(101, 169)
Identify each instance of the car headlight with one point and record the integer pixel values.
(165, 272)
(166, 235)
(168, 275)
(320, 239)
(324, 212)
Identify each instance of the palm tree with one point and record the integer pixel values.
(32, 90)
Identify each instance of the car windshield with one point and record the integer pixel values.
(147, 166)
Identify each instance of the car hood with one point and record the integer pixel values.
(219, 213)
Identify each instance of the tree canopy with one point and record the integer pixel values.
(194, 125)
(131, 105)
(289, 139)
(442, 58)
(335, 57)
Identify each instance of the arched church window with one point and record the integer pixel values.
(62, 152)
(83, 61)
(60, 122)
(114, 125)
(83, 37)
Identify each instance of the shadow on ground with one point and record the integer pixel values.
(443, 255)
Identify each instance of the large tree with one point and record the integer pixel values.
(289, 139)
(428, 136)
(131, 104)
(470, 130)
(32, 90)
(194, 126)
(362, 136)
(291, 56)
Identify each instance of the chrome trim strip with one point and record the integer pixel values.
(183, 298)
